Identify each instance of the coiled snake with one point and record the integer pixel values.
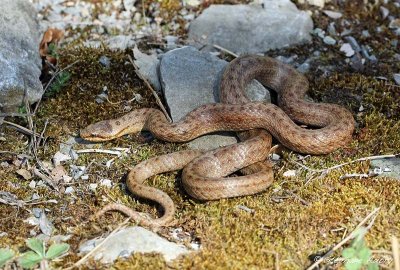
(204, 174)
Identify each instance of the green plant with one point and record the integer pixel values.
(358, 255)
(38, 253)
(52, 50)
(59, 82)
(5, 255)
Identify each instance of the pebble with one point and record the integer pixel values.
(69, 190)
(365, 33)
(384, 12)
(396, 78)
(332, 14)
(105, 61)
(347, 49)
(353, 42)
(394, 24)
(331, 29)
(329, 40)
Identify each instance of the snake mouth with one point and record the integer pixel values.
(94, 136)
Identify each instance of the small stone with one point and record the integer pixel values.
(60, 157)
(329, 40)
(331, 29)
(394, 24)
(93, 186)
(396, 78)
(32, 184)
(384, 12)
(319, 32)
(365, 33)
(35, 196)
(24, 173)
(105, 61)
(332, 14)
(85, 177)
(69, 190)
(353, 42)
(275, 157)
(106, 183)
(289, 173)
(304, 68)
(361, 108)
(347, 49)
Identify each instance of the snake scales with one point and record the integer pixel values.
(204, 174)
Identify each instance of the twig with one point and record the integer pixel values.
(111, 152)
(14, 115)
(396, 254)
(352, 175)
(225, 50)
(84, 258)
(343, 164)
(51, 80)
(21, 129)
(349, 237)
(159, 103)
(45, 178)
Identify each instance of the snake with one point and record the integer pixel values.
(300, 125)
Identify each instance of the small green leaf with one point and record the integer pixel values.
(349, 253)
(373, 266)
(56, 250)
(5, 255)
(30, 259)
(364, 254)
(354, 264)
(36, 245)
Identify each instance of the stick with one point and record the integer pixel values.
(158, 101)
(111, 152)
(21, 129)
(343, 164)
(349, 237)
(225, 50)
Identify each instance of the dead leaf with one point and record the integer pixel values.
(24, 173)
(52, 35)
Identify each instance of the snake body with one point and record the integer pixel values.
(204, 174)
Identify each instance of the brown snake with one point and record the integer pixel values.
(204, 174)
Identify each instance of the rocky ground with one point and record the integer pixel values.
(52, 182)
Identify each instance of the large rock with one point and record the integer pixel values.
(131, 240)
(20, 63)
(251, 28)
(191, 78)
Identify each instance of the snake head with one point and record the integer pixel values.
(99, 132)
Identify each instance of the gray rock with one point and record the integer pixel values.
(396, 78)
(251, 28)
(329, 40)
(353, 42)
(388, 167)
(190, 78)
(148, 67)
(133, 239)
(384, 12)
(332, 14)
(20, 63)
